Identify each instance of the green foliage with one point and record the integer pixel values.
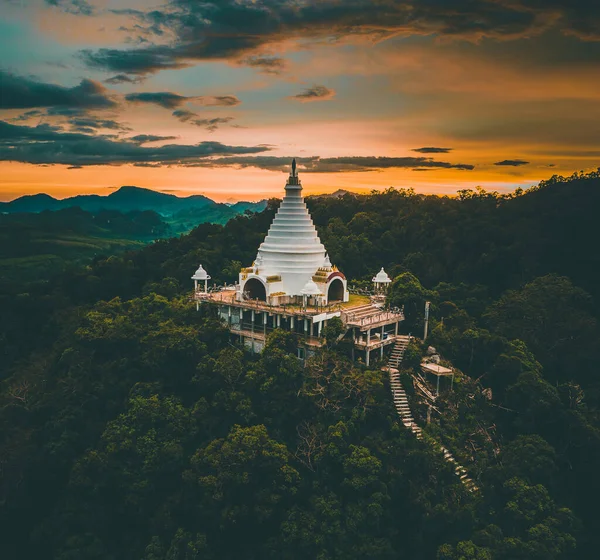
(412, 355)
(333, 330)
(407, 292)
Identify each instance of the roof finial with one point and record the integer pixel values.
(294, 167)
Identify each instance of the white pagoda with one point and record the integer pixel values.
(292, 264)
(293, 286)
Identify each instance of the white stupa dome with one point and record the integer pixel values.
(200, 274)
(326, 262)
(382, 277)
(292, 249)
(311, 289)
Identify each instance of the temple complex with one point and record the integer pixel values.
(293, 285)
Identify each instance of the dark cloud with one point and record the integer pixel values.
(217, 100)
(211, 124)
(22, 93)
(77, 7)
(315, 93)
(184, 115)
(66, 111)
(46, 144)
(241, 31)
(266, 64)
(512, 162)
(134, 61)
(28, 115)
(165, 99)
(315, 164)
(123, 79)
(146, 138)
(91, 123)
(170, 100)
(432, 150)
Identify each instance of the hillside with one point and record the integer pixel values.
(132, 427)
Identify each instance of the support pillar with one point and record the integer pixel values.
(368, 355)
(319, 325)
(396, 329)
(252, 329)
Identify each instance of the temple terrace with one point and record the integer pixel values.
(293, 285)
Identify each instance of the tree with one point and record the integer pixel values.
(406, 291)
(333, 330)
(554, 318)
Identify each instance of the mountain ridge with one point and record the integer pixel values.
(125, 198)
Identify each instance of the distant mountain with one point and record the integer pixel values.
(127, 199)
(31, 203)
(337, 194)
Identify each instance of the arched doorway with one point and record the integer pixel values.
(255, 289)
(335, 292)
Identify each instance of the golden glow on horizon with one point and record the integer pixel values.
(228, 184)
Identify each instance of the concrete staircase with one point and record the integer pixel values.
(403, 409)
(398, 351)
(401, 404)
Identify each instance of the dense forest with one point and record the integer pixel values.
(131, 426)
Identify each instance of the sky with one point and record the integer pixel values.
(215, 97)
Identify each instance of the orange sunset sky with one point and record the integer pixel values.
(216, 97)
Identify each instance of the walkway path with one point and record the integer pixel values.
(403, 408)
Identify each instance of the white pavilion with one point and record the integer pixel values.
(292, 265)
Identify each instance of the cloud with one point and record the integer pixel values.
(147, 138)
(28, 115)
(315, 93)
(90, 122)
(123, 79)
(138, 61)
(210, 124)
(265, 64)
(170, 100)
(45, 144)
(66, 111)
(184, 115)
(22, 93)
(242, 31)
(432, 150)
(217, 100)
(165, 99)
(315, 164)
(76, 7)
(512, 162)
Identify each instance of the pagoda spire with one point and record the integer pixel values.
(294, 168)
